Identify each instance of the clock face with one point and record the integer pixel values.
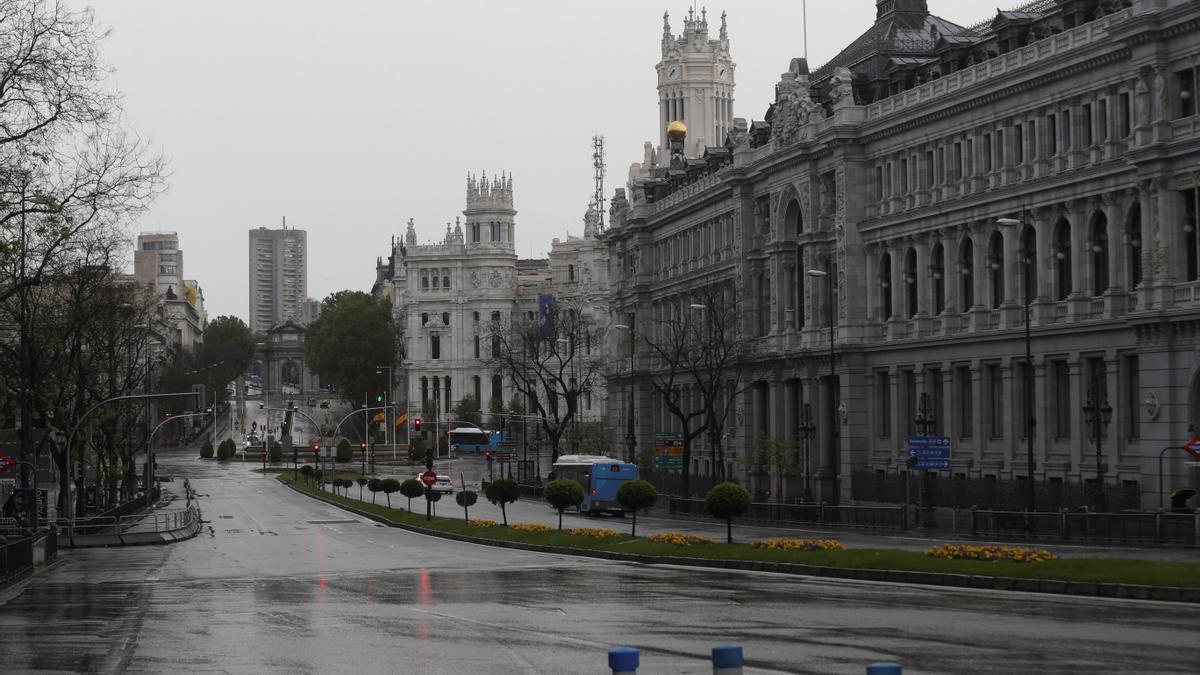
(722, 71)
(672, 72)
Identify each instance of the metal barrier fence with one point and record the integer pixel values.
(989, 493)
(877, 517)
(16, 556)
(1159, 527)
(156, 522)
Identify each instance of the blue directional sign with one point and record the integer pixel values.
(932, 452)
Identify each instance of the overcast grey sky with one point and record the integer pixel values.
(351, 117)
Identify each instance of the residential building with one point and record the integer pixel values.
(278, 277)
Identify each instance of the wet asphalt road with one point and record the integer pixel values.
(281, 583)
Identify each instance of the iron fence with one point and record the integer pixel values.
(989, 493)
(16, 557)
(1160, 527)
(878, 517)
(156, 522)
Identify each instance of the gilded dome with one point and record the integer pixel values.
(676, 129)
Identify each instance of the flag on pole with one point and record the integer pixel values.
(401, 419)
(378, 418)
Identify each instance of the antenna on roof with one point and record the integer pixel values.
(598, 177)
(804, 24)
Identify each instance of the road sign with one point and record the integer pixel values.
(1192, 446)
(429, 478)
(6, 463)
(932, 452)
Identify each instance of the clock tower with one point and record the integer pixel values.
(695, 83)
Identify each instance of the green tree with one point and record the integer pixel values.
(637, 495)
(353, 336)
(466, 499)
(206, 450)
(727, 501)
(226, 354)
(374, 485)
(344, 452)
(502, 492)
(562, 493)
(361, 482)
(411, 488)
(390, 485)
(431, 499)
(467, 410)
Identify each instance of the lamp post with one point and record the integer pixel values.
(630, 436)
(387, 399)
(926, 423)
(807, 430)
(1030, 421)
(833, 413)
(1098, 414)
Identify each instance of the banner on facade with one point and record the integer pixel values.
(546, 315)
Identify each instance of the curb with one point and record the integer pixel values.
(1050, 586)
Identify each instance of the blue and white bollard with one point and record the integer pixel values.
(727, 660)
(883, 669)
(623, 660)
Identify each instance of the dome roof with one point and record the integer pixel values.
(676, 129)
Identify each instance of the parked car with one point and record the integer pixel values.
(312, 402)
(324, 404)
(443, 484)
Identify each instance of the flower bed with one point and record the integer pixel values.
(679, 539)
(530, 527)
(482, 522)
(594, 532)
(990, 552)
(800, 545)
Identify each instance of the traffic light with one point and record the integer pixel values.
(417, 425)
(487, 454)
(317, 448)
(362, 445)
(379, 398)
(166, 414)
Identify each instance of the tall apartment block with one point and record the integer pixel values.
(158, 261)
(278, 277)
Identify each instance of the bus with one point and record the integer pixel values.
(600, 477)
(473, 440)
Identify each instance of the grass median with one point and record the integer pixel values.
(1084, 570)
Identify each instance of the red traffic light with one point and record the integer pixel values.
(317, 448)
(417, 424)
(487, 454)
(362, 446)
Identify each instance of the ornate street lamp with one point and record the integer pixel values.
(1098, 417)
(1030, 422)
(833, 413)
(926, 423)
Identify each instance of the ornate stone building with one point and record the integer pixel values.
(446, 294)
(946, 179)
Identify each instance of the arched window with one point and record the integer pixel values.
(435, 280)
(1099, 252)
(446, 281)
(445, 318)
(793, 218)
(910, 281)
(476, 346)
(424, 282)
(996, 267)
(570, 273)
(424, 390)
(1062, 259)
(1133, 237)
(424, 318)
(938, 274)
(885, 286)
(1029, 268)
(966, 273)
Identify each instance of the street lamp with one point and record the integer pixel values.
(630, 436)
(387, 399)
(833, 421)
(1098, 415)
(1030, 422)
(807, 430)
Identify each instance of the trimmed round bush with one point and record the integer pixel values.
(412, 488)
(206, 450)
(727, 501)
(563, 493)
(375, 485)
(502, 492)
(637, 495)
(389, 486)
(466, 499)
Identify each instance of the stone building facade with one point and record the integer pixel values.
(445, 296)
(947, 179)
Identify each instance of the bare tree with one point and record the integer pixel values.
(701, 361)
(551, 364)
